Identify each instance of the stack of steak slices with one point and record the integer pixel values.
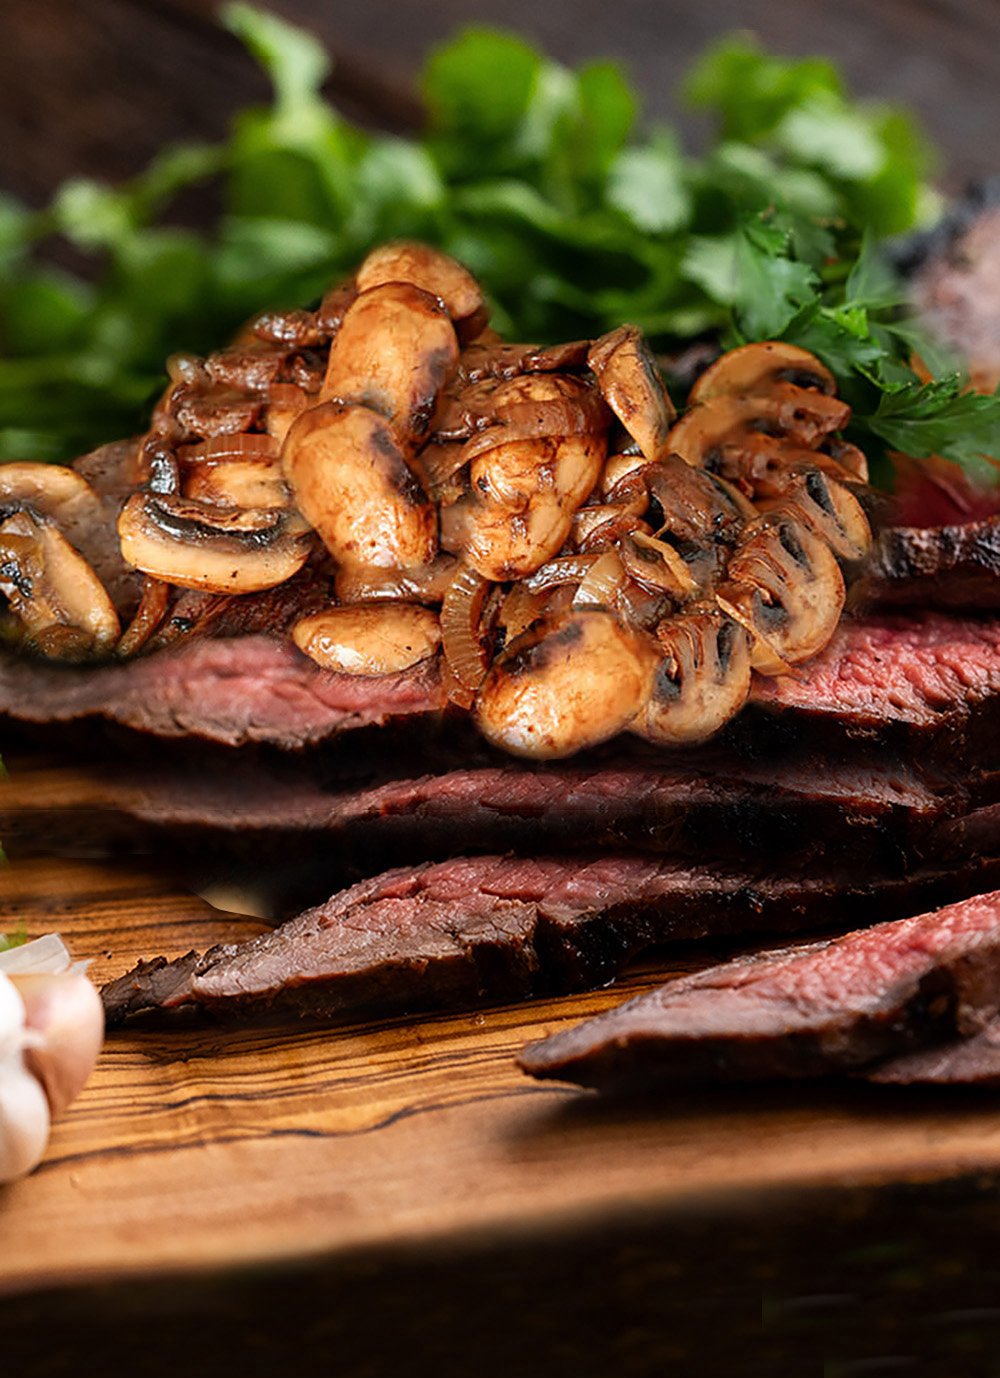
(863, 785)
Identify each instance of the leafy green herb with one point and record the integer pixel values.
(853, 325)
(16, 939)
(528, 171)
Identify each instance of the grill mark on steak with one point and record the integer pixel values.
(834, 1006)
(474, 931)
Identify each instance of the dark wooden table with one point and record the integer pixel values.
(886, 1264)
(92, 87)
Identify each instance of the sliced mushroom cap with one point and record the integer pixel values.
(707, 428)
(525, 495)
(61, 604)
(285, 401)
(702, 681)
(755, 368)
(200, 546)
(432, 271)
(239, 483)
(785, 586)
(633, 388)
(570, 682)
(51, 490)
(657, 566)
(350, 481)
(369, 638)
(537, 405)
(696, 505)
(393, 353)
(828, 509)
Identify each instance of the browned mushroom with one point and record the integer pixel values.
(785, 586)
(62, 607)
(570, 682)
(285, 401)
(702, 681)
(826, 508)
(369, 638)
(200, 546)
(632, 387)
(709, 428)
(393, 353)
(525, 494)
(350, 481)
(433, 272)
(756, 368)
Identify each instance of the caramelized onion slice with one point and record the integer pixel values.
(702, 680)
(570, 682)
(350, 481)
(434, 272)
(221, 550)
(786, 588)
(51, 589)
(602, 581)
(239, 483)
(461, 627)
(393, 353)
(417, 583)
(369, 638)
(632, 387)
(756, 368)
(656, 566)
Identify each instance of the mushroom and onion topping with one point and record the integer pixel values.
(535, 523)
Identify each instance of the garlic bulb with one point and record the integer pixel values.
(51, 1029)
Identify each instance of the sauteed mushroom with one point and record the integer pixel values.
(569, 682)
(421, 583)
(702, 680)
(828, 509)
(197, 545)
(525, 494)
(725, 424)
(433, 272)
(632, 387)
(756, 368)
(786, 588)
(393, 353)
(350, 481)
(59, 601)
(369, 638)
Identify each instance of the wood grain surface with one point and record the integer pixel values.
(195, 1146)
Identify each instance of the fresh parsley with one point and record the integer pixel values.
(532, 173)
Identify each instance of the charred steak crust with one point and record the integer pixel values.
(474, 931)
(836, 1006)
(954, 566)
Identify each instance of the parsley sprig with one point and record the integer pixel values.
(534, 174)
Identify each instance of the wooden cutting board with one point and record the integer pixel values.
(200, 1146)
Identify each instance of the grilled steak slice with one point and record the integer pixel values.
(705, 804)
(922, 682)
(912, 681)
(833, 1006)
(230, 690)
(474, 931)
(973, 1061)
(934, 567)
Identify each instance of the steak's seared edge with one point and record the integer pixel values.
(829, 1007)
(472, 931)
(913, 680)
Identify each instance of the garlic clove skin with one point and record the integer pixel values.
(24, 1121)
(66, 1017)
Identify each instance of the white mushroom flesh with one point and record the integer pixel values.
(393, 353)
(369, 638)
(350, 481)
(199, 545)
(702, 680)
(433, 272)
(568, 684)
(633, 388)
